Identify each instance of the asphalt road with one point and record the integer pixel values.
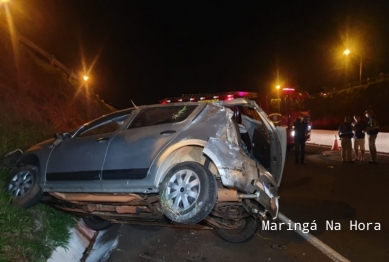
(322, 190)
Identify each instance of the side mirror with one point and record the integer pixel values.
(59, 138)
(57, 141)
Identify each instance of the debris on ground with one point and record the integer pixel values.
(262, 236)
(148, 256)
(277, 246)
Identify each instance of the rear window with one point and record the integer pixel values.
(162, 115)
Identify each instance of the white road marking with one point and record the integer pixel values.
(329, 252)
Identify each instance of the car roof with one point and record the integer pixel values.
(227, 103)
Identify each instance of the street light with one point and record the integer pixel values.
(347, 52)
(4, 1)
(278, 87)
(86, 78)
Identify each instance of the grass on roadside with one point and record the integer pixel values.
(36, 101)
(30, 234)
(27, 234)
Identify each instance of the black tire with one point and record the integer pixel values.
(24, 186)
(188, 193)
(242, 234)
(96, 223)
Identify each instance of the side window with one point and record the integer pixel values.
(102, 129)
(250, 112)
(162, 115)
(110, 126)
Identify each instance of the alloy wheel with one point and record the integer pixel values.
(183, 190)
(20, 183)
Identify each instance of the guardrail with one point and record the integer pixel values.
(326, 137)
(37, 49)
(367, 81)
(370, 80)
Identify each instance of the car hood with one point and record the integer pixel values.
(47, 144)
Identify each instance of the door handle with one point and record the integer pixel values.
(102, 139)
(168, 132)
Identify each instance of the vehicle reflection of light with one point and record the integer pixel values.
(309, 127)
(292, 133)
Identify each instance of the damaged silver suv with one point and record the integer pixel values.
(219, 164)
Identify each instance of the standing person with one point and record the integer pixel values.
(359, 128)
(372, 131)
(346, 133)
(300, 132)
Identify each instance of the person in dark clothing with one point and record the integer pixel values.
(346, 133)
(359, 128)
(372, 132)
(300, 132)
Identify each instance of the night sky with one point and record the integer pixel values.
(155, 49)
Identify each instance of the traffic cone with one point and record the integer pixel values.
(335, 145)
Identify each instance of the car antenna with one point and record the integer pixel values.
(134, 104)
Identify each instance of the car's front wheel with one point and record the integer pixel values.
(188, 193)
(24, 186)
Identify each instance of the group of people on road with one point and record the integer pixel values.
(357, 130)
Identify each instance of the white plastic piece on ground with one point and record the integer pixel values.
(326, 138)
(80, 237)
(329, 252)
(103, 247)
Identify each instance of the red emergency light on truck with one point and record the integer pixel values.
(283, 108)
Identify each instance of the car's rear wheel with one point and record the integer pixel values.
(188, 193)
(24, 186)
(96, 223)
(241, 234)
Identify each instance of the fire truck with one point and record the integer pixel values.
(283, 107)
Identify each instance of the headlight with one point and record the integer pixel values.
(309, 127)
(292, 133)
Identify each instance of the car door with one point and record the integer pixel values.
(76, 163)
(268, 141)
(277, 146)
(133, 150)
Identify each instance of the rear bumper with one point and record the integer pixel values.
(239, 171)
